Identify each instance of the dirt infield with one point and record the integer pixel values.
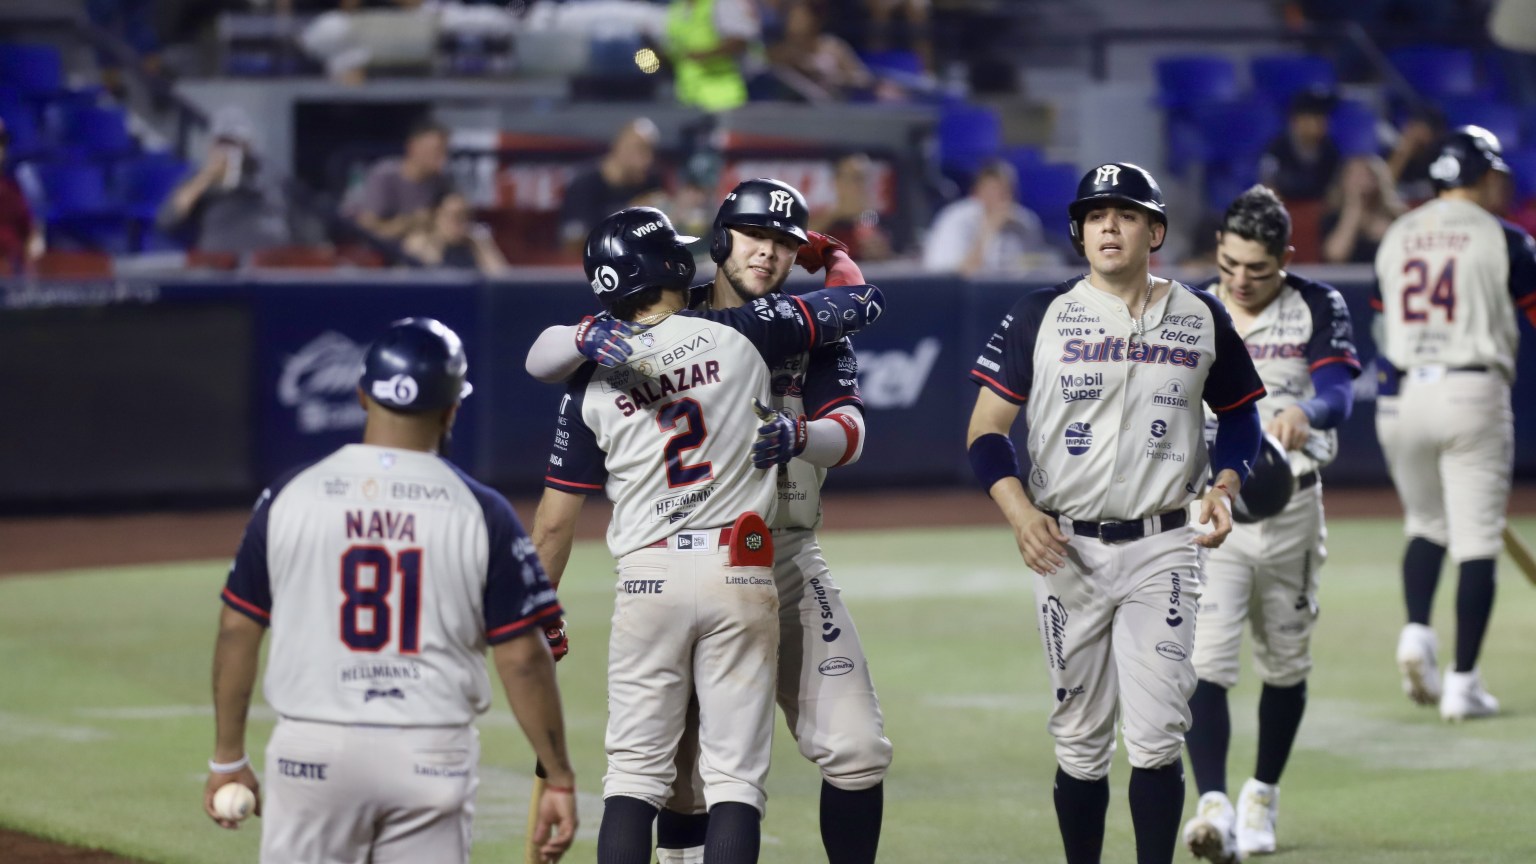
(62, 543)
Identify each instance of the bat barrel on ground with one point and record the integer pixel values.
(1521, 553)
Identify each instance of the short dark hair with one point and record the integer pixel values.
(626, 308)
(426, 126)
(1258, 215)
(1002, 169)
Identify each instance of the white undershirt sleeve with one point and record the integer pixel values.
(553, 357)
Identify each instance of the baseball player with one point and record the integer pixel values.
(1265, 575)
(383, 572)
(670, 436)
(1450, 276)
(1113, 367)
(825, 687)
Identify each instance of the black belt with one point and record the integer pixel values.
(1121, 532)
(1474, 368)
(1306, 481)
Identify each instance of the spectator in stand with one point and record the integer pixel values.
(1301, 163)
(988, 233)
(133, 21)
(884, 25)
(21, 241)
(399, 194)
(1361, 206)
(709, 42)
(815, 64)
(228, 205)
(626, 174)
(1416, 148)
(455, 241)
(852, 218)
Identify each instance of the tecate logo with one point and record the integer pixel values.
(834, 666)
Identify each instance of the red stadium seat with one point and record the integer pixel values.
(296, 258)
(74, 265)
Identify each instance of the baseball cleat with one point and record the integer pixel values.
(1258, 809)
(1209, 835)
(1416, 649)
(1464, 697)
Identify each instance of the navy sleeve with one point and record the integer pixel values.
(1335, 397)
(831, 380)
(1522, 269)
(1232, 381)
(517, 594)
(248, 589)
(1006, 364)
(1333, 336)
(1238, 433)
(783, 325)
(576, 463)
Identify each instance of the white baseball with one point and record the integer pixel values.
(234, 801)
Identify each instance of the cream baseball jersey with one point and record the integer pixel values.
(1304, 328)
(669, 434)
(1449, 275)
(814, 383)
(1115, 423)
(383, 575)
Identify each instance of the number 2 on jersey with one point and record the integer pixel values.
(1443, 294)
(367, 575)
(690, 413)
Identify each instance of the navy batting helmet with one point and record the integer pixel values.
(762, 202)
(1115, 182)
(1269, 486)
(635, 249)
(418, 365)
(1466, 154)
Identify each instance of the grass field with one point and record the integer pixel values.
(105, 724)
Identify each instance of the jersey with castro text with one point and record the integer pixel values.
(1449, 275)
(1115, 426)
(1304, 328)
(383, 575)
(668, 436)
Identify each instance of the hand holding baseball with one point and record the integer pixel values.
(229, 798)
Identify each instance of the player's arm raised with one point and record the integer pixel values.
(996, 465)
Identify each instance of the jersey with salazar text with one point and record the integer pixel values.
(1304, 328)
(1449, 276)
(383, 574)
(668, 435)
(1116, 426)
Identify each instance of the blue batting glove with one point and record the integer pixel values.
(780, 438)
(604, 341)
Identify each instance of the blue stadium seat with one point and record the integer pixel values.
(143, 182)
(1502, 119)
(1237, 132)
(1278, 77)
(27, 140)
(1436, 71)
(73, 190)
(968, 136)
(1047, 188)
(1352, 125)
(34, 70)
(93, 131)
(1187, 80)
(1522, 164)
(904, 62)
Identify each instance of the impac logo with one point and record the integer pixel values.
(1079, 437)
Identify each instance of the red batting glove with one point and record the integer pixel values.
(814, 251)
(559, 642)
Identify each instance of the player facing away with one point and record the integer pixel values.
(1450, 276)
(1265, 575)
(1111, 369)
(824, 683)
(383, 572)
(669, 436)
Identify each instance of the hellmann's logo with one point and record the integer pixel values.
(895, 379)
